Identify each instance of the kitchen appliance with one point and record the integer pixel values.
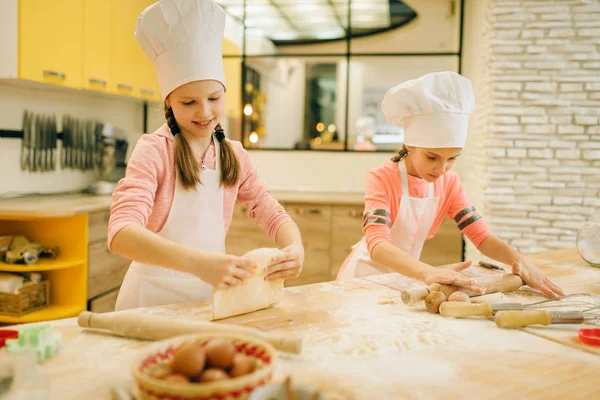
(110, 153)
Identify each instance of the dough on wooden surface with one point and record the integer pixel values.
(254, 293)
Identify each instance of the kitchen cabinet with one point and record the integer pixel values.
(80, 44)
(66, 274)
(50, 41)
(106, 270)
(96, 44)
(125, 51)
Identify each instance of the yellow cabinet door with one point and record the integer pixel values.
(126, 53)
(96, 44)
(50, 41)
(147, 81)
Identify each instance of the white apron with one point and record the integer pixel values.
(195, 220)
(409, 231)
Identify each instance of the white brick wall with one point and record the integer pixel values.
(535, 133)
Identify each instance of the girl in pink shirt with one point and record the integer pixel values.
(171, 212)
(408, 197)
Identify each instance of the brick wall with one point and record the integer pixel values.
(532, 163)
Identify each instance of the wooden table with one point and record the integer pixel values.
(361, 342)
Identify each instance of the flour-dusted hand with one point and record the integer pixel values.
(288, 264)
(535, 278)
(450, 275)
(220, 270)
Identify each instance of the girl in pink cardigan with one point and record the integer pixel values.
(171, 212)
(408, 197)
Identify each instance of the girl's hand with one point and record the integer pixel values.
(450, 275)
(221, 270)
(535, 278)
(288, 264)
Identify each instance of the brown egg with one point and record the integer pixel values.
(459, 296)
(242, 365)
(213, 374)
(433, 301)
(447, 290)
(189, 359)
(159, 371)
(220, 353)
(177, 378)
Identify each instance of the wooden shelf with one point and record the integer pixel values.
(43, 265)
(48, 313)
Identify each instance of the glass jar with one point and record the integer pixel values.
(588, 241)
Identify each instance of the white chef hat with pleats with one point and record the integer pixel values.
(434, 109)
(183, 38)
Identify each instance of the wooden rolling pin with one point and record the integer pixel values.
(458, 309)
(503, 283)
(156, 328)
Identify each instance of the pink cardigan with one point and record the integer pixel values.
(144, 196)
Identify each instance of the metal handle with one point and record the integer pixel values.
(147, 91)
(124, 86)
(98, 81)
(60, 75)
(314, 211)
(353, 213)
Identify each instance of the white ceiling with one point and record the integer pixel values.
(305, 20)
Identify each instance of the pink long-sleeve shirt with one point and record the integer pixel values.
(144, 196)
(384, 192)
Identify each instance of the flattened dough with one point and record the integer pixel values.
(254, 293)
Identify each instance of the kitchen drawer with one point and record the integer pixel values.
(314, 222)
(346, 232)
(106, 269)
(98, 226)
(316, 268)
(105, 303)
(244, 235)
(445, 247)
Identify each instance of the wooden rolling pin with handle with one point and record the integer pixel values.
(504, 283)
(149, 327)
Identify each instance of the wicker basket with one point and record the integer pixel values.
(151, 388)
(30, 297)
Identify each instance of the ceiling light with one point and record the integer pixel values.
(284, 35)
(333, 34)
(253, 137)
(248, 109)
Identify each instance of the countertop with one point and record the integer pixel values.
(362, 342)
(64, 205)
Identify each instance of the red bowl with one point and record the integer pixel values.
(7, 334)
(590, 336)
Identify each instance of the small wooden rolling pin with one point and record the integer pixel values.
(503, 283)
(149, 327)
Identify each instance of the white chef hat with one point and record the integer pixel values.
(183, 38)
(433, 109)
